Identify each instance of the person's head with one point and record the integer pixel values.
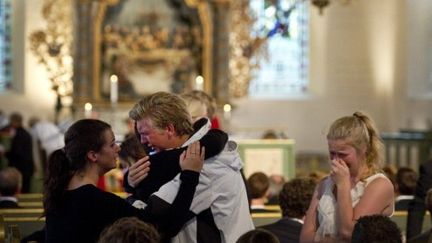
(258, 236)
(295, 197)
(355, 140)
(10, 181)
(406, 180)
(209, 101)
(33, 121)
(270, 134)
(196, 106)
(16, 120)
(161, 120)
(258, 185)
(89, 145)
(276, 183)
(131, 151)
(317, 176)
(129, 230)
(376, 229)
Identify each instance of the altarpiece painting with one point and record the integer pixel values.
(149, 46)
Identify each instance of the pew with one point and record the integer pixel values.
(35, 200)
(260, 219)
(28, 220)
(13, 234)
(9, 233)
(30, 197)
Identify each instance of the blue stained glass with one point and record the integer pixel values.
(5, 44)
(286, 26)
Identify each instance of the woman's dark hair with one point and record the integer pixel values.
(83, 136)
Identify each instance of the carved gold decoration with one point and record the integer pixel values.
(205, 16)
(97, 25)
(52, 47)
(243, 48)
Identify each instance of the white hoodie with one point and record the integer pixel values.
(222, 189)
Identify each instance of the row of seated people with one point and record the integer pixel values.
(108, 143)
(263, 190)
(258, 185)
(373, 228)
(294, 199)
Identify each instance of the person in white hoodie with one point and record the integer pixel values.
(220, 210)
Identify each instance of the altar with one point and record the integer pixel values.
(148, 46)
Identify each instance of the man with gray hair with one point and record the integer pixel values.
(220, 206)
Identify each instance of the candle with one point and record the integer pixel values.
(88, 110)
(114, 89)
(227, 111)
(199, 83)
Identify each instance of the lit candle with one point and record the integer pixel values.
(227, 111)
(114, 89)
(199, 83)
(88, 110)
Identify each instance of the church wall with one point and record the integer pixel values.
(359, 61)
(30, 94)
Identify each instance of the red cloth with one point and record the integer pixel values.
(101, 183)
(215, 123)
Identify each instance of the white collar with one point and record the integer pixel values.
(257, 207)
(297, 220)
(404, 197)
(8, 198)
(199, 134)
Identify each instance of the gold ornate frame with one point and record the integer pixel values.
(205, 16)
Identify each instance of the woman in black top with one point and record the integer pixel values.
(77, 211)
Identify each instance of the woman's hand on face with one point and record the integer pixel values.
(339, 172)
(138, 171)
(193, 157)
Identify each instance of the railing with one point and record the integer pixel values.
(407, 148)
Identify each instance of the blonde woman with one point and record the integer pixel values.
(355, 186)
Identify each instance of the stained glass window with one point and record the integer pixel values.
(285, 25)
(5, 44)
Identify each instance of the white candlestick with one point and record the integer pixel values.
(199, 83)
(88, 110)
(114, 89)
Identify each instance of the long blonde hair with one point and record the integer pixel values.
(359, 131)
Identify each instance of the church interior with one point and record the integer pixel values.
(362, 55)
(288, 67)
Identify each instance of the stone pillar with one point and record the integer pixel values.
(221, 50)
(83, 48)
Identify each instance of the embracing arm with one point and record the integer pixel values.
(171, 217)
(165, 165)
(378, 198)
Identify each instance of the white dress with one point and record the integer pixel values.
(327, 206)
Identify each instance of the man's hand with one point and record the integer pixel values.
(138, 171)
(193, 157)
